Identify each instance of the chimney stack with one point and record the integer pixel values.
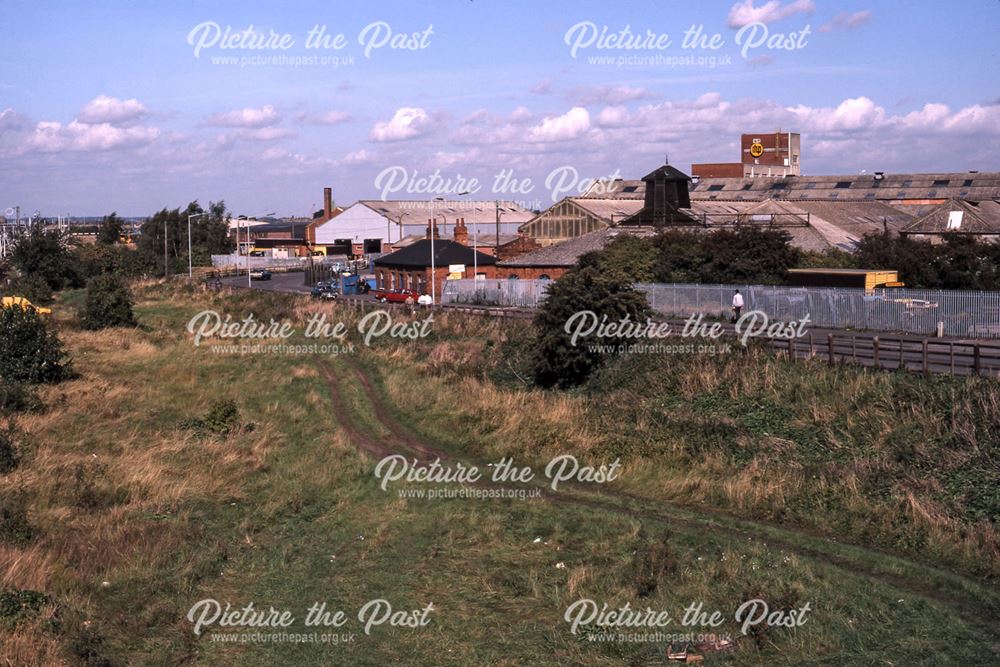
(327, 203)
(432, 224)
(461, 232)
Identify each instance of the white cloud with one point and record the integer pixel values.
(744, 12)
(587, 95)
(612, 116)
(570, 125)
(847, 21)
(406, 123)
(264, 134)
(104, 109)
(543, 87)
(327, 118)
(358, 157)
(249, 117)
(50, 136)
(852, 114)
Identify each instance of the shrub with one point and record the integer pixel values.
(223, 418)
(20, 605)
(29, 351)
(9, 455)
(558, 360)
(15, 397)
(14, 526)
(108, 304)
(34, 288)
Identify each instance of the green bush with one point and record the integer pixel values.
(558, 362)
(29, 351)
(32, 287)
(20, 605)
(223, 418)
(108, 304)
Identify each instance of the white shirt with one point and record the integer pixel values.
(737, 300)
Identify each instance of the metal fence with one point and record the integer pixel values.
(222, 261)
(519, 293)
(958, 313)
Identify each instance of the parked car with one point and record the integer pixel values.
(23, 304)
(260, 274)
(324, 290)
(396, 296)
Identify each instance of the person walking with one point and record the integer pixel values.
(737, 305)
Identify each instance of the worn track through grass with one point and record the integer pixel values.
(408, 444)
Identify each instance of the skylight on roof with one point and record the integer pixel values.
(715, 188)
(941, 182)
(630, 188)
(842, 185)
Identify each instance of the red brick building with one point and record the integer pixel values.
(410, 267)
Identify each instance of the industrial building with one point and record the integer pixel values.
(374, 226)
(771, 154)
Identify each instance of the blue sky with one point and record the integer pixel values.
(106, 107)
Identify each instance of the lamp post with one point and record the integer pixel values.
(496, 252)
(190, 265)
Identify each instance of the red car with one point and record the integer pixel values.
(396, 295)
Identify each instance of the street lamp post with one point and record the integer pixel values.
(496, 252)
(190, 265)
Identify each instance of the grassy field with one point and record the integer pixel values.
(870, 496)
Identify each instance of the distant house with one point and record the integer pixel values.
(411, 267)
(980, 219)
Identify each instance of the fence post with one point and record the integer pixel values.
(812, 346)
(951, 355)
(829, 344)
(926, 367)
(875, 351)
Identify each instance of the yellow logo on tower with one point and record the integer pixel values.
(756, 149)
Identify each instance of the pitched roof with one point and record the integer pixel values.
(418, 255)
(566, 254)
(851, 187)
(417, 212)
(970, 218)
(606, 209)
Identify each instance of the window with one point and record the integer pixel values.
(715, 188)
(842, 185)
(780, 186)
(748, 186)
(906, 184)
(870, 195)
(630, 188)
(941, 183)
(967, 183)
(810, 186)
(544, 276)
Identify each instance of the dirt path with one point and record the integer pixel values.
(408, 444)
